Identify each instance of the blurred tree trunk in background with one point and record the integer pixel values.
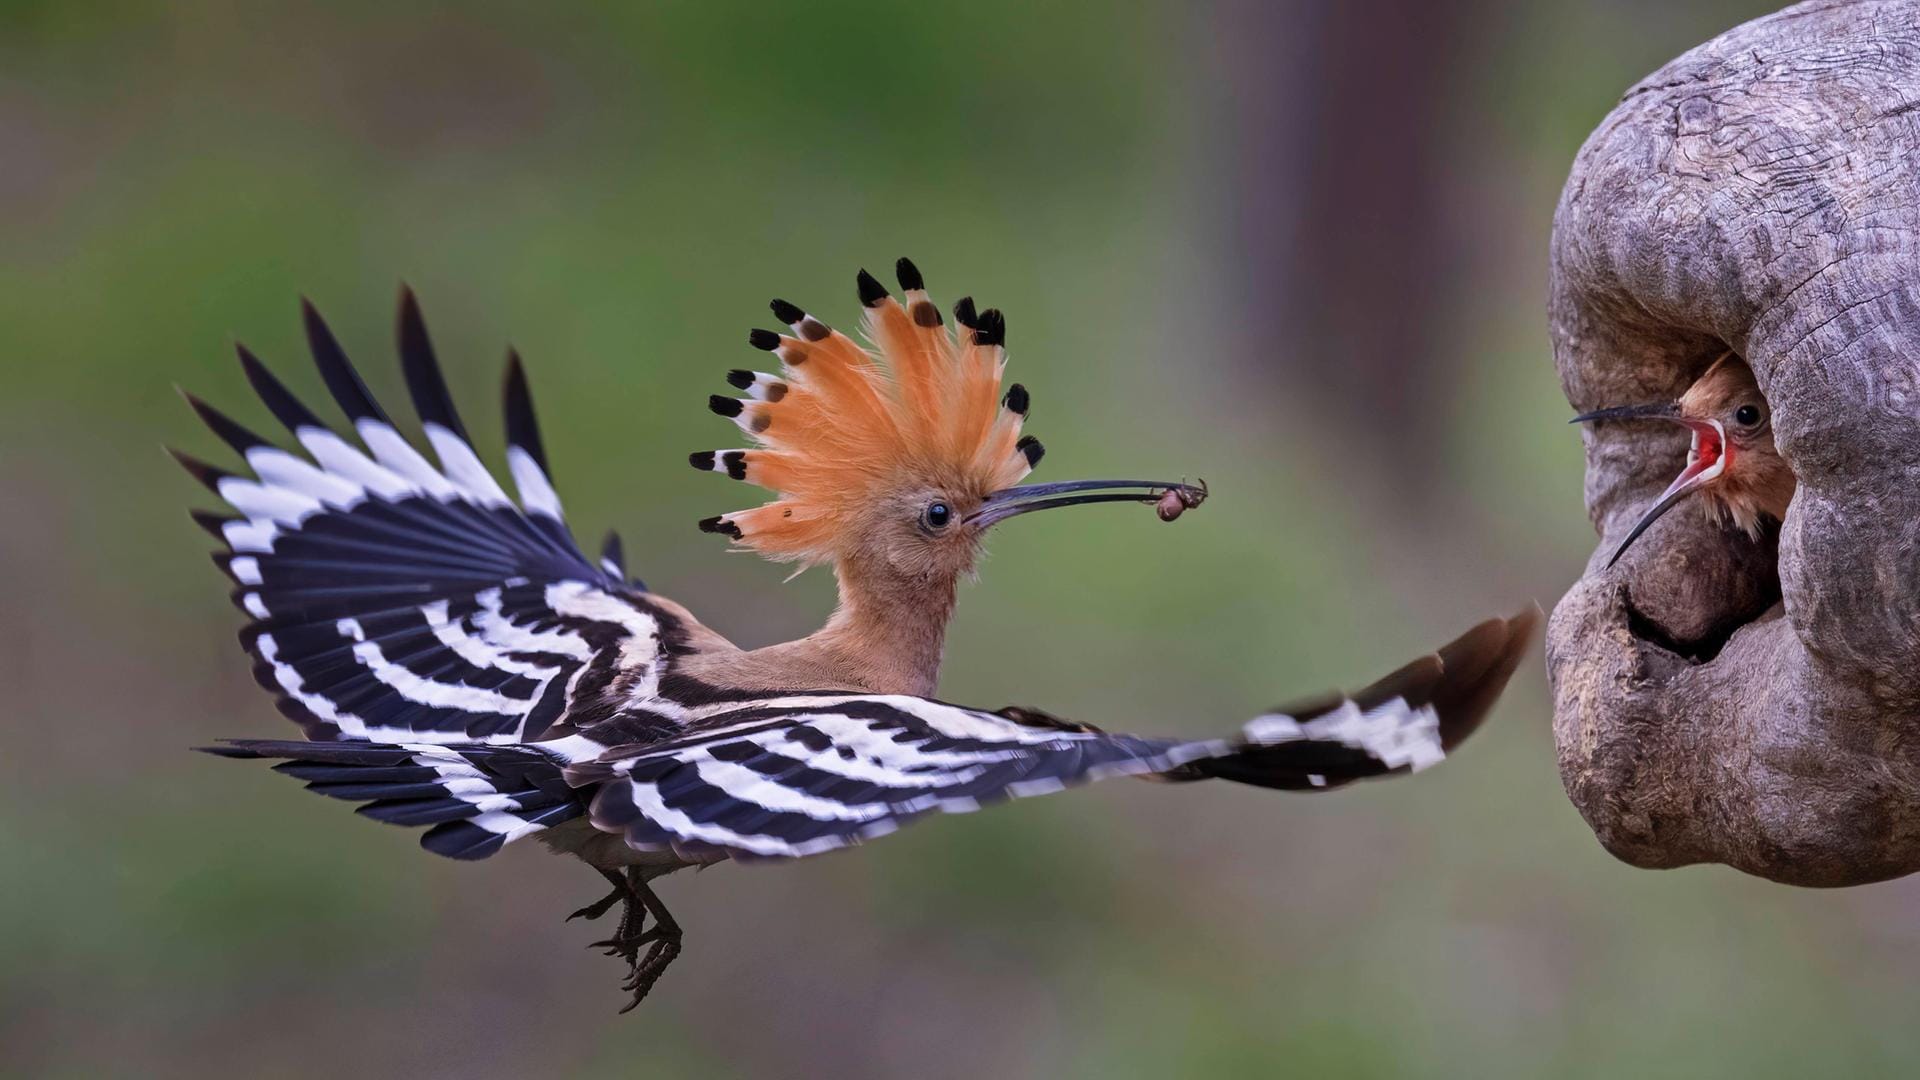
(1336, 205)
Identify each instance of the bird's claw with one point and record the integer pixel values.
(661, 941)
(648, 971)
(628, 949)
(599, 907)
(622, 892)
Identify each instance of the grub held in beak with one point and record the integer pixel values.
(1013, 501)
(1707, 460)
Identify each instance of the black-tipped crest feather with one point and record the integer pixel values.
(992, 328)
(1017, 400)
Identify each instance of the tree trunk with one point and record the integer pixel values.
(1760, 193)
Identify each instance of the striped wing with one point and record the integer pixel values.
(396, 600)
(810, 773)
(802, 775)
(472, 799)
(806, 773)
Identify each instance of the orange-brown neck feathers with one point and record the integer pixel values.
(841, 430)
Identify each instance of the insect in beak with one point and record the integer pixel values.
(1707, 459)
(1013, 501)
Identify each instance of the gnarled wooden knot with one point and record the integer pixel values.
(1718, 699)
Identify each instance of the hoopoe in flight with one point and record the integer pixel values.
(456, 662)
(1732, 460)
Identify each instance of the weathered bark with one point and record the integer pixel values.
(1760, 193)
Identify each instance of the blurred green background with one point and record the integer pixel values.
(1295, 248)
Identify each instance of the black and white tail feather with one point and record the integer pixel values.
(458, 663)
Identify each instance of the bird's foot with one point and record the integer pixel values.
(631, 934)
(645, 972)
(661, 941)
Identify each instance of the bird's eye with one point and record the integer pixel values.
(936, 515)
(1747, 415)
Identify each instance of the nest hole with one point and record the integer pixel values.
(1700, 647)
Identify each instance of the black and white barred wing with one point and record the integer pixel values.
(805, 774)
(472, 798)
(802, 775)
(393, 599)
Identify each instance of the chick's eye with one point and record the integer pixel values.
(937, 515)
(1747, 415)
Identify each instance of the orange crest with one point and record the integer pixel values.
(842, 423)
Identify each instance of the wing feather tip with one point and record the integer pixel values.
(208, 475)
(336, 370)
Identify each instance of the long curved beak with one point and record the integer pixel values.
(1659, 410)
(1013, 501)
(1707, 460)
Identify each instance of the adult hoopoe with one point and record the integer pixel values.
(458, 663)
(1732, 460)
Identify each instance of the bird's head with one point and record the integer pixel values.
(902, 457)
(1732, 462)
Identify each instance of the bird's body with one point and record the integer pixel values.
(457, 662)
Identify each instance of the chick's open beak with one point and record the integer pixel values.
(1707, 459)
(1009, 502)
